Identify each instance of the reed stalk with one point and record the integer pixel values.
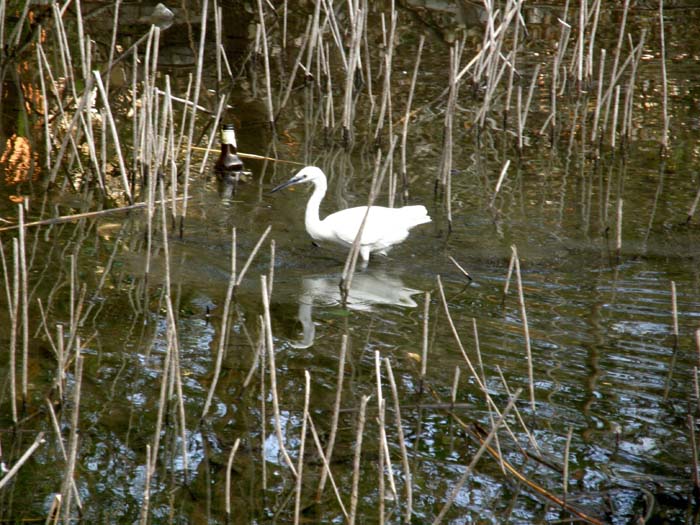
(385, 105)
(594, 130)
(224, 329)
(693, 207)
(193, 115)
(13, 309)
(526, 328)
(694, 453)
(290, 83)
(616, 59)
(229, 465)
(326, 467)
(24, 301)
(674, 313)
(406, 118)
(302, 443)
(618, 229)
(567, 447)
(353, 60)
(351, 261)
(501, 178)
(273, 374)
(484, 446)
(381, 455)
(334, 419)
(115, 134)
(68, 478)
(664, 79)
(213, 134)
(146, 502)
(262, 238)
(354, 495)
(613, 129)
(424, 353)
(38, 441)
(266, 58)
(591, 40)
(408, 480)
(44, 102)
(455, 385)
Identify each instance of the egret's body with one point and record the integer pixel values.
(384, 228)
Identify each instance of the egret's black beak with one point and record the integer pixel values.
(291, 182)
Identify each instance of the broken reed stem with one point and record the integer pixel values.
(229, 465)
(458, 487)
(599, 98)
(22, 460)
(424, 354)
(455, 385)
(336, 413)
(224, 328)
(406, 118)
(566, 462)
(326, 467)
(252, 256)
(460, 268)
(618, 229)
(526, 328)
(78, 216)
(273, 373)
(300, 463)
(674, 311)
(357, 459)
(408, 481)
(501, 178)
(664, 79)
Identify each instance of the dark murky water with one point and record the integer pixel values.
(600, 327)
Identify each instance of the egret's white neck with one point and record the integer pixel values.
(312, 219)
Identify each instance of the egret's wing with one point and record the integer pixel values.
(346, 223)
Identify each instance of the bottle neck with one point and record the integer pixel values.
(228, 136)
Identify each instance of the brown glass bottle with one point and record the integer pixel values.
(229, 161)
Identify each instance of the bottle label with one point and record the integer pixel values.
(228, 136)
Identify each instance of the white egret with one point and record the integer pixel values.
(384, 228)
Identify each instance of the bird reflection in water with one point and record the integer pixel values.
(369, 288)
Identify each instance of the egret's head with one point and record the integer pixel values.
(307, 174)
